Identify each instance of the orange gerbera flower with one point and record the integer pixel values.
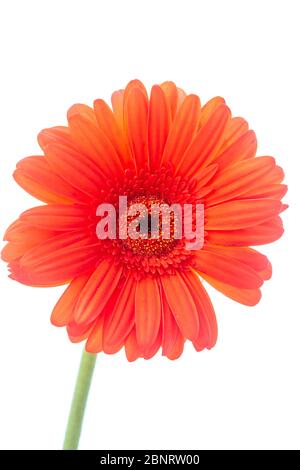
(146, 294)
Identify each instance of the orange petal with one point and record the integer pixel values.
(266, 273)
(246, 255)
(97, 292)
(15, 230)
(244, 147)
(58, 217)
(14, 251)
(79, 171)
(78, 333)
(272, 191)
(131, 347)
(135, 84)
(276, 176)
(120, 321)
(171, 93)
(158, 126)
(94, 343)
(152, 350)
(19, 231)
(92, 141)
(236, 179)
(172, 339)
(170, 328)
(63, 310)
(209, 108)
(147, 312)
(117, 101)
(182, 130)
(236, 127)
(265, 182)
(204, 146)
(22, 237)
(48, 247)
(241, 213)
(55, 135)
(208, 328)
(136, 121)
(206, 175)
(46, 264)
(84, 110)
(182, 305)
(221, 268)
(181, 95)
(260, 234)
(35, 175)
(247, 297)
(109, 125)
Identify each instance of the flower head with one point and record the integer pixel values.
(145, 292)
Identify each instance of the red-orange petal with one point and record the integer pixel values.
(206, 175)
(147, 312)
(171, 93)
(22, 237)
(46, 265)
(260, 234)
(84, 110)
(120, 321)
(182, 305)
(35, 175)
(62, 313)
(208, 328)
(136, 122)
(181, 95)
(131, 346)
(209, 108)
(221, 268)
(78, 170)
(249, 297)
(93, 142)
(271, 191)
(246, 255)
(117, 101)
(206, 143)
(135, 84)
(55, 135)
(158, 126)
(97, 292)
(172, 339)
(236, 127)
(94, 342)
(58, 217)
(182, 130)
(241, 149)
(78, 333)
(240, 214)
(236, 179)
(273, 177)
(114, 132)
(266, 272)
(152, 350)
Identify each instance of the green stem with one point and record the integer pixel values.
(81, 391)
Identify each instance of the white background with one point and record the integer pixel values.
(244, 394)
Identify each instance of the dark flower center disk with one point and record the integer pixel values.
(150, 226)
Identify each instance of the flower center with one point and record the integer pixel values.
(150, 226)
